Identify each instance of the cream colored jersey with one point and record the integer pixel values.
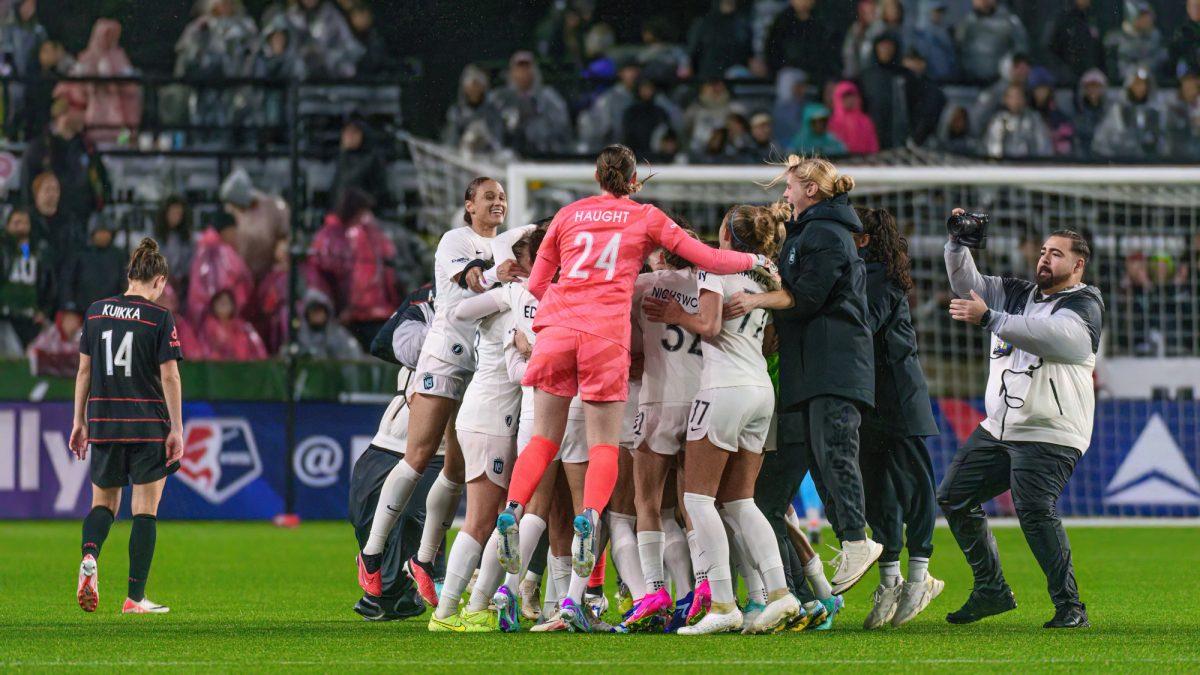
(492, 402)
(734, 357)
(672, 355)
(449, 340)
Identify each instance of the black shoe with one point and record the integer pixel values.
(408, 606)
(982, 605)
(1069, 616)
(368, 608)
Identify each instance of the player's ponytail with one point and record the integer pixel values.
(616, 171)
(820, 171)
(756, 229)
(887, 245)
(147, 262)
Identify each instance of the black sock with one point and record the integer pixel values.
(537, 564)
(95, 529)
(141, 552)
(373, 561)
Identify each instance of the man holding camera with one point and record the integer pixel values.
(1040, 404)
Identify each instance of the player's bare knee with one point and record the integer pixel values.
(109, 498)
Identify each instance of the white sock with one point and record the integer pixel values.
(710, 535)
(460, 565)
(676, 555)
(699, 560)
(889, 574)
(755, 590)
(490, 574)
(440, 506)
(531, 528)
(393, 498)
(815, 573)
(623, 541)
(760, 543)
(560, 575)
(650, 550)
(918, 569)
(576, 588)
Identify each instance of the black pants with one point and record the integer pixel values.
(827, 428)
(1036, 473)
(366, 482)
(898, 483)
(778, 480)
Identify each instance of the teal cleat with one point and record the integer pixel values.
(507, 617)
(583, 546)
(576, 617)
(508, 541)
(832, 607)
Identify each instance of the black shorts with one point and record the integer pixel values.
(119, 464)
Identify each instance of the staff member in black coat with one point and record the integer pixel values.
(896, 468)
(826, 362)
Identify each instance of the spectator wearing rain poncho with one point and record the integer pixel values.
(814, 138)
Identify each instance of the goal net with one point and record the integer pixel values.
(1144, 227)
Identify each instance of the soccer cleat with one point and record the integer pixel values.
(583, 546)
(576, 617)
(980, 605)
(143, 606)
(368, 608)
(816, 614)
(624, 599)
(832, 606)
(776, 614)
(371, 582)
(507, 617)
(650, 606)
(421, 574)
(450, 624)
(797, 623)
(714, 622)
(553, 624)
(1069, 616)
(679, 616)
(596, 603)
(88, 592)
(508, 541)
(530, 593)
(883, 606)
(750, 614)
(853, 561)
(480, 621)
(701, 602)
(915, 597)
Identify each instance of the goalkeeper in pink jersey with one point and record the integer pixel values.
(596, 246)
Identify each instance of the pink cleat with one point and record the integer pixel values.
(701, 603)
(86, 592)
(654, 604)
(370, 582)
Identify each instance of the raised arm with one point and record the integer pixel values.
(710, 259)
(502, 244)
(964, 278)
(546, 265)
(479, 307)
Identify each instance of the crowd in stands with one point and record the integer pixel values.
(745, 82)
(895, 77)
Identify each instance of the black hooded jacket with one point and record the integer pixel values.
(824, 341)
(901, 394)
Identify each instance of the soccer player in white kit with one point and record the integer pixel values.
(727, 429)
(461, 269)
(670, 378)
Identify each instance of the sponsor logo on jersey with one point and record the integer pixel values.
(122, 312)
(457, 349)
(498, 466)
(460, 260)
(220, 457)
(601, 216)
(1154, 472)
(428, 381)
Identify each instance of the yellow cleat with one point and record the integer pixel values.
(451, 624)
(482, 621)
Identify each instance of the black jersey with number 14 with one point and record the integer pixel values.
(128, 338)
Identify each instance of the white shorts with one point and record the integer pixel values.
(487, 454)
(662, 427)
(435, 377)
(574, 447)
(732, 418)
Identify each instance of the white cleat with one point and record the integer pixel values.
(776, 614)
(713, 622)
(915, 597)
(583, 546)
(143, 606)
(531, 601)
(508, 541)
(854, 560)
(883, 606)
(87, 592)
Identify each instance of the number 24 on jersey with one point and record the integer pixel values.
(607, 260)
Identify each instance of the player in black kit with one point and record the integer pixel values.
(128, 410)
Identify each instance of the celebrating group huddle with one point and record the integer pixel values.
(590, 403)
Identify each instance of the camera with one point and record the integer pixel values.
(969, 229)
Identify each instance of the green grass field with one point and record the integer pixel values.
(248, 597)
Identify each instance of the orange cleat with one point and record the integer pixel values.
(371, 582)
(419, 572)
(87, 593)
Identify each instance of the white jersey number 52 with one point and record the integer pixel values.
(607, 260)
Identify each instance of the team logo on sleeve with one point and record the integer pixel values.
(220, 457)
(428, 381)
(457, 349)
